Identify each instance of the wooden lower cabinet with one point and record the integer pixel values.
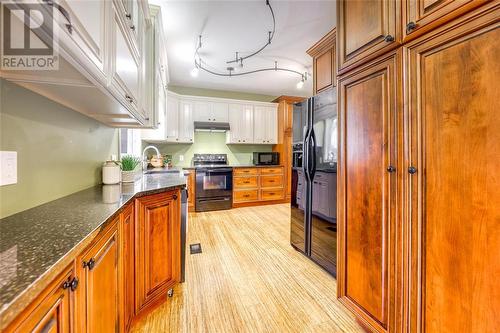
(51, 312)
(454, 194)
(131, 264)
(271, 181)
(158, 249)
(245, 171)
(258, 185)
(368, 271)
(127, 259)
(246, 195)
(246, 182)
(98, 296)
(191, 189)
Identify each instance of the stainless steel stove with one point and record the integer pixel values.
(214, 182)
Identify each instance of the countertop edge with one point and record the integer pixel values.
(10, 311)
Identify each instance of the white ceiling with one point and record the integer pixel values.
(242, 25)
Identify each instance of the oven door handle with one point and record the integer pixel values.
(214, 200)
(225, 170)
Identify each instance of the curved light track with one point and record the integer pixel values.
(198, 61)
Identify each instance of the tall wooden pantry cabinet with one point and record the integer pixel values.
(419, 189)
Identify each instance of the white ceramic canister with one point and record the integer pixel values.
(111, 173)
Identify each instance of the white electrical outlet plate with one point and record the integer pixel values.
(181, 158)
(8, 167)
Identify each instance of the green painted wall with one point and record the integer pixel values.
(211, 143)
(220, 94)
(60, 151)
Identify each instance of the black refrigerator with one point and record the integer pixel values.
(314, 179)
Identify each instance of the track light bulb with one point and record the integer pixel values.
(195, 71)
(300, 84)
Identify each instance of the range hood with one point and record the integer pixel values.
(208, 126)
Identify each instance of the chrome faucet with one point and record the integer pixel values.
(145, 159)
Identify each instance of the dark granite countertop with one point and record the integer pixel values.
(36, 244)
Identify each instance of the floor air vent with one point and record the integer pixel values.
(195, 248)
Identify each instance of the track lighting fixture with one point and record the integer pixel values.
(194, 72)
(237, 68)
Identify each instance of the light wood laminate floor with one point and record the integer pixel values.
(249, 279)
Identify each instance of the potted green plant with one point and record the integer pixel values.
(129, 164)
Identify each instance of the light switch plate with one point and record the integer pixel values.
(8, 167)
(181, 158)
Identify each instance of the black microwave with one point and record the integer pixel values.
(266, 158)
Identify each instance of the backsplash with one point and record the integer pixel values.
(59, 151)
(211, 143)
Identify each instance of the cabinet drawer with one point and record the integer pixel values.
(245, 182)
(271, 181)
(271, 171)
(245, 171)
(276, 194)
(248, 195)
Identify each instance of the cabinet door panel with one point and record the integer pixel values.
(236, 113)
(51, 312)
(128, 265)
(367, 192)
(202, 111)
(159, 133)
(191, 187)
(420, 15)
(98, 297)
(125, 64)
(455, 211)
(220, 112)
(265, 125)
(186, 129)
(172, 119)
(272, 125)
(247, 124)
(324, 64)
(158, 254)
(363, 28)
(89, 27)
(259, 130)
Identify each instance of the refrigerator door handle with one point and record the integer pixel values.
(312, 153)
(305, 153)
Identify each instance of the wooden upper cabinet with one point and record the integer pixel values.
(324, 69)
(158, 253)
(420, 16)
(98, 296)
(127, 259)
(369, 101)
(51, 311)
(455, 191)
(366, 29)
